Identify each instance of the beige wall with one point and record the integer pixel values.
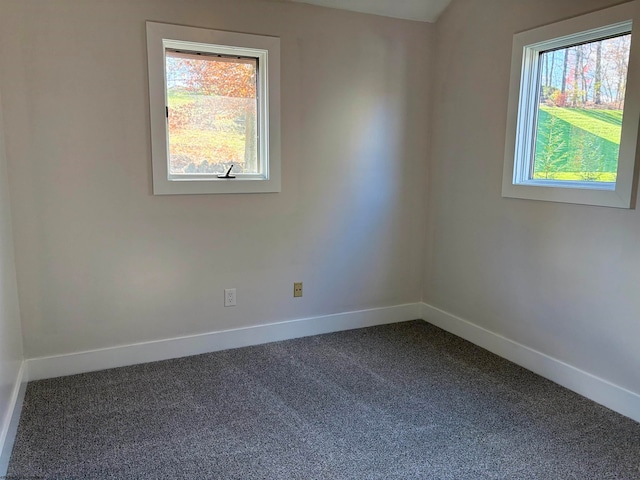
(10, 332)
(102, 262)
(562, 279)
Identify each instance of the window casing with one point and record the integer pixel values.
(522, 177)
(214, 103)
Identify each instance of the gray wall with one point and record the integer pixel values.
(562, 279)
(102, 262)
(10, 333)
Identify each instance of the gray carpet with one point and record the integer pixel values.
(393, 402)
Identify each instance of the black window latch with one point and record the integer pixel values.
(228, 174)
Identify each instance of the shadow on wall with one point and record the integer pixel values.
(369, 166)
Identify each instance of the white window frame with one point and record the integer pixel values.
(266, 50)
(523, 108)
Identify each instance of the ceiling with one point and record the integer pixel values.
(420, 10)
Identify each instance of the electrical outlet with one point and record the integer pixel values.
(229, 297)
(297, 289)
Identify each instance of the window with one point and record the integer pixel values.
(573, 111)
(215, 111)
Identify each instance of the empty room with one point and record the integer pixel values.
(319, 239)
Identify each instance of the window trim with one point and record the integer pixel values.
(522, 109)
(161, 37)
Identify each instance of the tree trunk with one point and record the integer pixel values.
(250, 147)
(546, 70)
(621, 62)
(565, 64)
(584, 60)
(576, 85)
(598, 85)
(551, 69)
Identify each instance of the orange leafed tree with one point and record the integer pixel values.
(220, 76)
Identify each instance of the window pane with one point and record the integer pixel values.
(580, 108)
(212, 114)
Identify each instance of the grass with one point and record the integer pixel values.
(579, 176)
(178, 98)
(201, 137)
(192, 146)
(577, 144)
(597, 122)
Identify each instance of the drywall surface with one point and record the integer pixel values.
(10, 332)
(102, 262)
(562, 279)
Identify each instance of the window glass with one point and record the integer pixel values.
(580, 108)
(212, 113)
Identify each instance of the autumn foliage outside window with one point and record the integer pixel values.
(212, 113)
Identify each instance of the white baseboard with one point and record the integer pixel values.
(88, 361)
(9, 430)
(597, 389)
(584, 383)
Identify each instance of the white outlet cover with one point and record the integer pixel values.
(229, 297)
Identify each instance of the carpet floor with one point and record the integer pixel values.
(399, 401)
